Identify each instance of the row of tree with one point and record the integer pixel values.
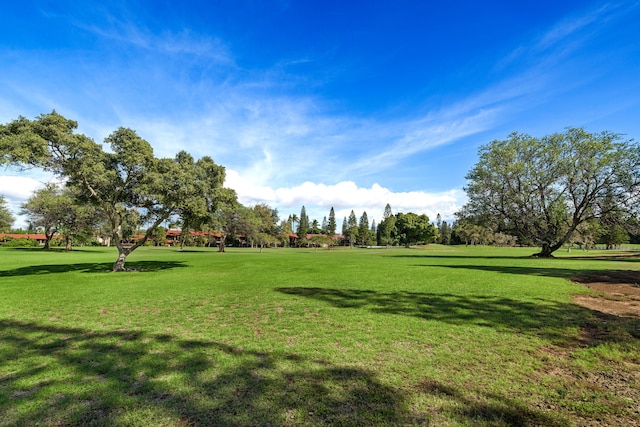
(574, 187)
(399, 229)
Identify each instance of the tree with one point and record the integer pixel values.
(352, 228)
(387, 227)
(6, 218)
(614, 226)
(331, 224)
(267, 225)
(44, 209)
(363, 229)
(303, 226)
(77, 218)
(126, 181)
(294, 219)
(412, 229)
(542, 189)
(445, 233)
(226, 217)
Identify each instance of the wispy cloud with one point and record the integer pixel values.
(131, 32)
(568, 35)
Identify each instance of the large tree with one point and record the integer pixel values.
(412, 229)
(127, 179)
(542, 189)
(6, 218)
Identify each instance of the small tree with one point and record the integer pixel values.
(6, 218)
(44, 209)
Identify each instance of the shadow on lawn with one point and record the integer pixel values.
(626, 257)
(90, 267)
(130, 377)
(548, 319)
(551, 271)
(72, 376)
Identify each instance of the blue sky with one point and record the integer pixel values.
(346, 104)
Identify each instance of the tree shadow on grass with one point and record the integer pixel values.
(72, 376)
(627, 257)
(493, 409)
(548, 319)
(91, 267)
(551, 271)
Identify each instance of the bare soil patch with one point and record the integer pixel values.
(616, 292)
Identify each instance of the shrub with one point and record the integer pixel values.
(20, 243)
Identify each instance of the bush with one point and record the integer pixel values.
(21, 243)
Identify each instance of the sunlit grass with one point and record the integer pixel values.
(441, 335)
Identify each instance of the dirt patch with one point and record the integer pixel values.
(615, 292)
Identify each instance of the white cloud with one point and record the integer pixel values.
(16, 190)
(345, 196)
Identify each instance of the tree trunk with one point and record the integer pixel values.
(48, 235)
(68, 244)
(122, 257)
(548, 250)
(221, 246)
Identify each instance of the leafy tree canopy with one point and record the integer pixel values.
(128, 178)
(542, 189)
(412, 229)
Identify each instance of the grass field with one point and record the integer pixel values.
(431, 336)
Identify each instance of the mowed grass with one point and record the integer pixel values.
(430, 336)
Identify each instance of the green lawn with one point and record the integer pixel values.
(432, 336)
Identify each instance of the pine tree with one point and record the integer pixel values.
(331, 225)
(352, 228)
(387, 227)
(363, 229)
(303, 225)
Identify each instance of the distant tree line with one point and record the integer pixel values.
(575, 188)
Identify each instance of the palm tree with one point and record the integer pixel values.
(294, 219)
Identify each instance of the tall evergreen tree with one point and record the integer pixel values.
(387, 227)
(363, 229)
(344, 226)
(331, 224)
(352, 228)
(303, 225)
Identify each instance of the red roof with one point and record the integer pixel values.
(176, 233)
(24, 236)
